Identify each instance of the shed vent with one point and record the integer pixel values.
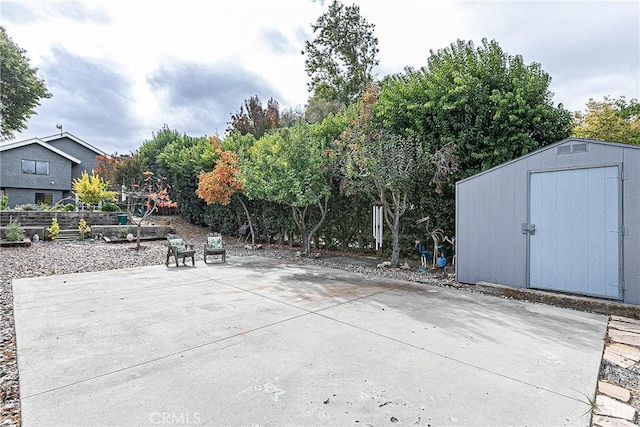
(564, 149)
(579, 148)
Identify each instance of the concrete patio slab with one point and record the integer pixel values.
(262, 342)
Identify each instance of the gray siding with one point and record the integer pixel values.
(21, 188)
(85, 155)
(492, 206)
(24, 196)
(631, 220)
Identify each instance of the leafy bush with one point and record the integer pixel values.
(84, 229)
(14, 231)
(69, 207)
(110, 207)
(4, 203)
(53, 231)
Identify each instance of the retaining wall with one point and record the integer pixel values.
(66, 220)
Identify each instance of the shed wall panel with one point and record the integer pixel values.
(509, 226)
(484, 224)
(494, 227)
(492, 206)
(631, 221)
(467, 257)
(520, 180)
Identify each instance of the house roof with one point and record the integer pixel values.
(18, 144)
(74, 139)
(549, 147)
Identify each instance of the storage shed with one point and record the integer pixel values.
(563, 218)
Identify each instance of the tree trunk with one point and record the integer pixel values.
(299, 216)
(395, 238)
(323, 214)
(138, 235)
(246, 212)
(392, 213)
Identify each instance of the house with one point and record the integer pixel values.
(564, 218)
(41, 170)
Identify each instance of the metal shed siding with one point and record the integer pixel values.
(492, 206)
(491, 244)
(631, 214)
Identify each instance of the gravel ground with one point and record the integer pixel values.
(48, 258)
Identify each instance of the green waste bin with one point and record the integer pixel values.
(123, 219)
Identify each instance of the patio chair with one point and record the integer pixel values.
(177, 248)
(215, 245)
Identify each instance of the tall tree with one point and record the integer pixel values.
(491, 104)
(182, 160)
(128, 170)
(253, 118)
(20, 88)
(224, 181)
(384, 165)
(341, 58)
(291, 166)
(318, 109)
(612, 120)
(152, 148)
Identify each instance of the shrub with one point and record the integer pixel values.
(84, 229)
(4, 202)
(53, 231)
(69, 207)
(14, 231)
(110, 207)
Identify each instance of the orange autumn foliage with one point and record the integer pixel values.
(224, 180)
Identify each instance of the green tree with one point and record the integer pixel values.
(341, 58)
(290, 116)
(182, 160)
(491, 104)
(128, 170)
(151, 149)
(318, 109)
(20, 88)
(291, 166)
(384, 165)
(612, 120)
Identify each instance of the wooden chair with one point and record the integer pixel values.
(215, 245)
(177, 248)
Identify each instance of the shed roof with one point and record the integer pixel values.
(549, 147)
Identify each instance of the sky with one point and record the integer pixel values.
(120, 70)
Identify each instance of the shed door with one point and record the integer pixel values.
(576, 243)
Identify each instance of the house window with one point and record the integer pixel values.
(35, 167)
(44, 198)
